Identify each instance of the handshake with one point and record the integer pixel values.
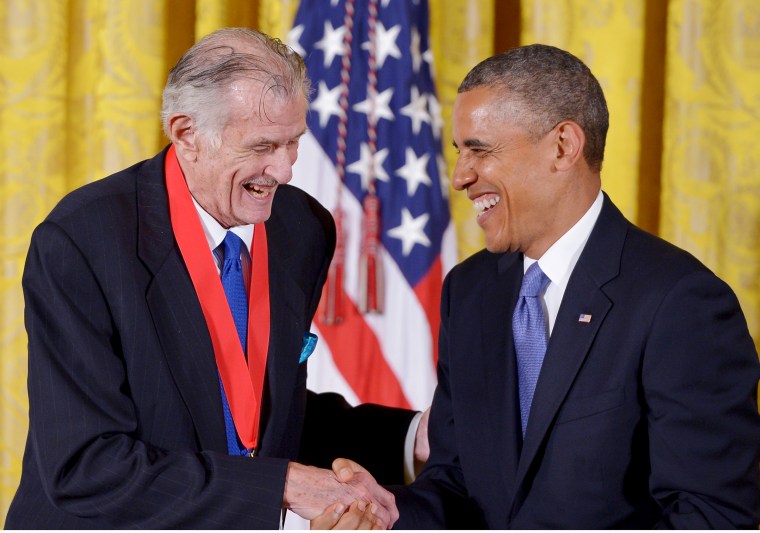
(348, 497)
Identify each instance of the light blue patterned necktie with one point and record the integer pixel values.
(529, 332)
(237, 298)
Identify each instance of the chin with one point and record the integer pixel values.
(258, 217)
(258, 220)
(496, 247)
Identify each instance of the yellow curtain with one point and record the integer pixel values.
(710, 180)
(79, 98)
(81, 81)
(461, 35)
(609, 38)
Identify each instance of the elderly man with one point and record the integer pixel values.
(168, 310)
(590, 375)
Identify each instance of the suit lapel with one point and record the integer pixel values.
(175, 309)
(182, 328)
(499, 372)
(568, 347)
(287, 301)
(571, 339)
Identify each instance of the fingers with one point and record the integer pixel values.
(365, 487)
(329, 518)
(358, 516)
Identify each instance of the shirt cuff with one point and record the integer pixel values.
(409, 471)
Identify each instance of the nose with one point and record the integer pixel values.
(280, 166)
(463, 175)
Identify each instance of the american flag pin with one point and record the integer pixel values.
(584, 318)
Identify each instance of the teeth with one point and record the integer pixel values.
(255, 191)
(483, 205)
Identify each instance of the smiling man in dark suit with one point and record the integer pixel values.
(590, 375)
(164, 396)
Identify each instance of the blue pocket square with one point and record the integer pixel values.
(309, 343)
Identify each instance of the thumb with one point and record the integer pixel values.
(344, 469)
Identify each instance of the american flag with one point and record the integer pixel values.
(375, 120)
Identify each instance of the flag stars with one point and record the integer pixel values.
(414, 49)
(427, 56)
(381, 106)
(443, 176)
(331, 42)
(327, 103)
(368, 167)
(436, 119)
(294, 40)
(417, 110)
(414, 171)
(411, 231)
(385, 43)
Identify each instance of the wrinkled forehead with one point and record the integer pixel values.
(246, 95)
(252, 109)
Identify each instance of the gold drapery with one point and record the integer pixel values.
(81, 81)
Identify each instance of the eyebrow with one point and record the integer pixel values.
(266, 140)
(471, 143)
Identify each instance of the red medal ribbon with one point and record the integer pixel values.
(243, 386)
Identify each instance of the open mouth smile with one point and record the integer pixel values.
(484, 203)
(258, 190)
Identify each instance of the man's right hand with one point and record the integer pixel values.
(309, 491)
(358, 516)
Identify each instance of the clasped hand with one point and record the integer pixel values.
(349, 493)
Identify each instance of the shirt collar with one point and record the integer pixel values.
(559, 260)
(215, 233)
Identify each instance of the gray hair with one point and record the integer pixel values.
(551, 85)
(197, 83)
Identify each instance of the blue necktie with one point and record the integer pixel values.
(237, 298)
(234, 286)
(529, 332)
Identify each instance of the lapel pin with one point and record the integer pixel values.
(584, 318)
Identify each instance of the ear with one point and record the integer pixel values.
(570, 143)
(184, 136)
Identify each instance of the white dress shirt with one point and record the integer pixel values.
(560, 259)
(215, 234)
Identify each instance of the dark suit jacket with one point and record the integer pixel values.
(126, 425)
(645, 416)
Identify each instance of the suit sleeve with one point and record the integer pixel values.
(372, 435)
(438, 498)
(83, 421)
(700, 378)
